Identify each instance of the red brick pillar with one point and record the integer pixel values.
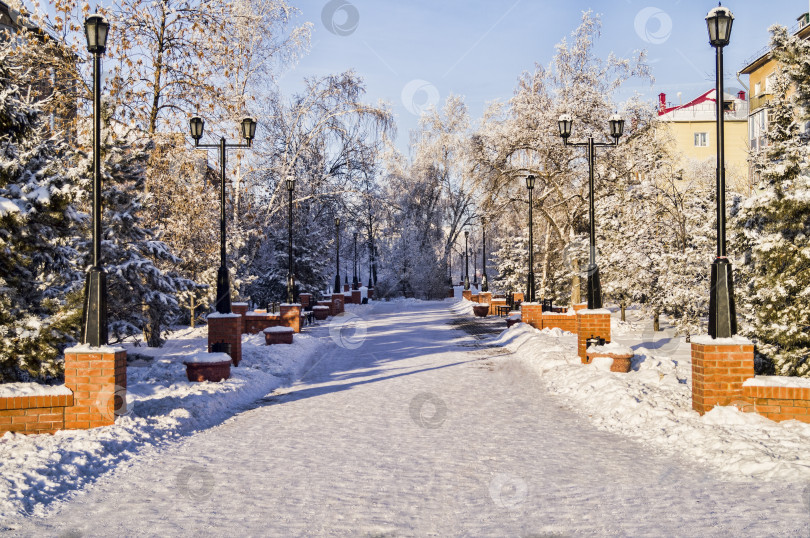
(719, 369)
(291, 316)
(371, 294)
(337, 304)
(517, 296)
(579, 306)
(306, 300)
(241, 309)
(591, 324)
(357, 296)
(347, 287)
(226, 328)
(467, 294)
(98, 378)
(486, 297)
(532, 313)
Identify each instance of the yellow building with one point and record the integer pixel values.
(761, 69)
(692, 128)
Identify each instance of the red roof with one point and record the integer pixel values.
(702, 99)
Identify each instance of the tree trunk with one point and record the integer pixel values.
(546, 264)
(623, 308)
(151, 329)
(193, 307)
(576, 283)
(656, 322)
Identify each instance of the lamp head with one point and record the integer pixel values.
(337, 221)
(248, 129)
(530, 182)
(719, 21)
(96, 28)
(616, 126)
(196, 126)
(290, 183)
(565, 123)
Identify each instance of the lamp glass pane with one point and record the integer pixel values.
(102, 34)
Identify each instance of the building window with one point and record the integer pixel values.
(701, 140)
(769, 82)
(757, 89)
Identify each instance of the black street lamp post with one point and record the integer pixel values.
(94, 327)
(466, 260)
(337, 255)
(248, 126)
(355, 281)
(722, 315)
(484, 281)
(530, 295)
(290, 275)
(371, 261)
(616, 129)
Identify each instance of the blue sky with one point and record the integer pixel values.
(412, 53)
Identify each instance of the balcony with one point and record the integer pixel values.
(760, 100)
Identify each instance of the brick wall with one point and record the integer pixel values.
(466, 294)
(518, 296)
(254, 323)
(718, 373)
(98, 380)
(778, 403)
(291, 316)
(561, 321)
(357, 297)
(579, 306)
(34, 414)
(224, 328)
(494, 303)
(590, 324)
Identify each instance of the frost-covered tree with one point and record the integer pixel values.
(774, 223)
(511, 261)
(37, 222)
(141, 296)
(521, 137)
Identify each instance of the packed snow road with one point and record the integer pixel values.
(415, 428)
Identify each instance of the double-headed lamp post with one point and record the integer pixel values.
(248, 127)
(94, 326)
(484, 282)
(466, 260)
(290, 180)
(530, 295)
(337, 254)
(722, 315)
(565, 124)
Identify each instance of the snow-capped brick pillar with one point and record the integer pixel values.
(227, 329)
(357, 296)
(306, 300)
(291, 316)
(532, 313)
(591, 324)
(719, 369)
(97, 376)
(338, 302)
(241, 309)
(467, 294)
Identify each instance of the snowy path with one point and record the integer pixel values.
(414, 434)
